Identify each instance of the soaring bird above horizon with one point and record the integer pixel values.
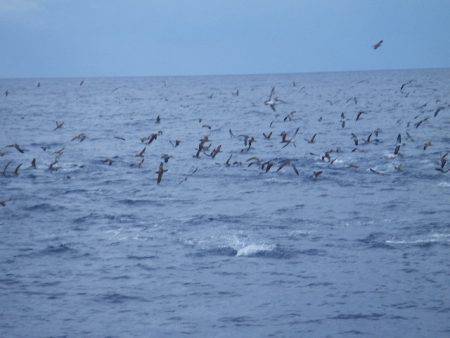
(378, 44)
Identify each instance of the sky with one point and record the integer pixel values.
(81, 38)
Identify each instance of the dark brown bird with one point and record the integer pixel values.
(141, 153)
(80, 137)
(17, 147)
(355, 139)
(216, 151)
(166, 157)
(5, 168)
(426, 145)
(312, 139)
(378, 44)
(175, 144)
(227, 163)
(317, 173)
(33, 163)
(16, 172)
(160, 173)
(436, 112)
(359, 114)
(59, 125)
(267, 136)
(3, 202)
(158, 119)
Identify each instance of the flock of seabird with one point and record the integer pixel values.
(205, 145)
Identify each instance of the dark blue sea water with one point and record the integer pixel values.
(92, 249)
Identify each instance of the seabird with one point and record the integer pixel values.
(33, 163)
(166, 157)
(120, 138)
(80, 137)
(59, 124)
(17, 147)
(16, 172)
(141, 153)
(3, 202)
(317, 173)
(312, 139)
(267, 136)
(82, 82)
(358, 115)
(436, 112)
(273, 100)
(378, 44)
(160, 173)
(175, 144)
(107, 161)
(158, 120)
(426, 145)
(6, 167)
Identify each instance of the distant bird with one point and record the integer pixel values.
(17, 147)
(438, 109)
(3, 202)
(216, 151)
(288, 163)
(6, 92)
(160, 173)
(405, 84)
(107, 161)
(80, 137)
(175, 144)
(33, 163)
(52, 166)
(399, 139)
(378, 44)
(267, 136)
(59, 152)
(59, 125)
(227, 163)
(236, 93)
(5, 168)
(120, 138)
(316, 174)
(358, 115)
(141, 153)
(355, 139)
(312, 139)
(289, 116)
(417, 125)
(16, 172)
(273, 100)
(38, 84)
(397, 149)
(82, 82)
(166, 157)
(158, 119)
(141, 163)
(376, 171)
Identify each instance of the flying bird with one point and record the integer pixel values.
(160, 173)
(378, 44)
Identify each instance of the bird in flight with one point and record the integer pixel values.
(378, 44)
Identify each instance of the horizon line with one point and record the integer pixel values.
(221, 74)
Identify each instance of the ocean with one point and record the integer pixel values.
(356, 244)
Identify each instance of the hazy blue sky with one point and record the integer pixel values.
(177, 37)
